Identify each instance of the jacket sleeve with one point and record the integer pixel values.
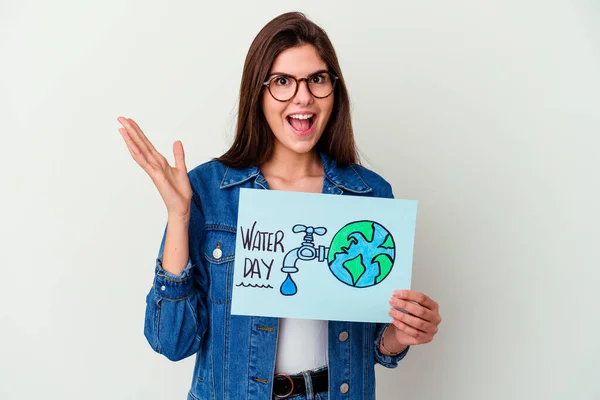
(176, 313)
(384, 359)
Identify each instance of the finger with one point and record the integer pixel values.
(133, 148)
(134, 134)
(418, 336)
(136, 154)
(132, 154)
(422, 299)
(415, 309)
(414, 322)
(153, 160)
(179, 155)
(146, 141)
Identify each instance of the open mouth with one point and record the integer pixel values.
(301, 123)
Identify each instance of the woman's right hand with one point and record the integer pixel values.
(172, 183)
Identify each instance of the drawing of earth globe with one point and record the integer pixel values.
(362, 254)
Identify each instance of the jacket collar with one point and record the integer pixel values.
(346, 178)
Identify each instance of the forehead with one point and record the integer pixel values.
(299, 61)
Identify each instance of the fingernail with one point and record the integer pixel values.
(398, 293)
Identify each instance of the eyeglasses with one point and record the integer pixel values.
(284, 87)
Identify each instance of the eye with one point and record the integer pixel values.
(319, 78)
(281, 81)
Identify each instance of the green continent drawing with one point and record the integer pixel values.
(362, 254)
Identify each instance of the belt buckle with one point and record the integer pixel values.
(284, 396)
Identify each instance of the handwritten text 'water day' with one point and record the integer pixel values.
(255, 240)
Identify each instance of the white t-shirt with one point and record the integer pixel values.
(301, 345)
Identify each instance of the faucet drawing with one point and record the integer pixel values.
(306, 252)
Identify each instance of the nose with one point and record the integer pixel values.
(303, 96)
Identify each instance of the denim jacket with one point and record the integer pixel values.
(235, 355)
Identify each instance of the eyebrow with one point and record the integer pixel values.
(272, 74)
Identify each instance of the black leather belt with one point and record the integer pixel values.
(287, 385)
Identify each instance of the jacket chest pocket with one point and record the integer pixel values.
(219, 251)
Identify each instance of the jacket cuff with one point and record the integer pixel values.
(172, 287)
(384, 359)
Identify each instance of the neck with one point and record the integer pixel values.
(291, 166)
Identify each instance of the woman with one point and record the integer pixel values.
(294, 133)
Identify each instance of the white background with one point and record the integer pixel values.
(487, 112)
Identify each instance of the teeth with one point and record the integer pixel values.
(301, 116)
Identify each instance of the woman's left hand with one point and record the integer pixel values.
(419, 323)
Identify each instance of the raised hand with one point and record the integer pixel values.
(172, 183)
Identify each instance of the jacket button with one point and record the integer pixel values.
(217, 253)
(344, 388)
(343, 336)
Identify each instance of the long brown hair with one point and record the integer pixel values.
(253, 143)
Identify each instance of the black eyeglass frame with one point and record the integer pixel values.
(333, 77)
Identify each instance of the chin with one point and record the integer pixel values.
(299, 148)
